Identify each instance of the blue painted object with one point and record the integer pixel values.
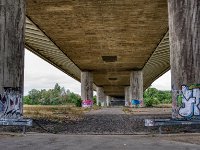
(135, 102)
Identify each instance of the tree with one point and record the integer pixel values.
(152, 96)
(34, 96)
(55, 96)
(27, 100)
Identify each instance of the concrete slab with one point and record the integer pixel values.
(91, 142)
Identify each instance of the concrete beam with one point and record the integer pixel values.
(184, 36)
(86, 85)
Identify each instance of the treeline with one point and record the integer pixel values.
(59, 96)
(152, 96)
(56, 96)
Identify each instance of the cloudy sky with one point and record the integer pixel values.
(41, 75)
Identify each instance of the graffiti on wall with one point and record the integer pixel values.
(87, 103)
(11, 104)
(190, 101)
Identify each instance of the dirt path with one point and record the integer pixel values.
(108, 111)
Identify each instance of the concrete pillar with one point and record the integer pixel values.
(108, 100)
(136, 86)
(86, 85)
(184, 36)
(101, 96)
(127, 95)
(12, 27)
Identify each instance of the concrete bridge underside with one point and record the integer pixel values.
(108, 38)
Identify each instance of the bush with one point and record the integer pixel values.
(94, 100)
(149, 102)
(78, 102)
(152, 96)
(179, 101)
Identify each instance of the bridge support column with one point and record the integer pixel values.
(12, 27)
(108, 100)
(101, 98)
(136, 86)
(184, 36)
(86, 85)
(127, 95)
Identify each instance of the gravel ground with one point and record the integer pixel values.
(105, 121)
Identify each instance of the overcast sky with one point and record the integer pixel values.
(41, 75)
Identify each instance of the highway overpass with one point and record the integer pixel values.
(108, 38)
(118, 47)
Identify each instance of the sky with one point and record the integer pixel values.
(39, 74)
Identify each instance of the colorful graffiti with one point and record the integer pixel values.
(11, 104)
(87, 103)
(190, 101)
(135, 103)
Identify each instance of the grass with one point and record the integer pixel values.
(163, 106)
(59, 112)
(155, 109)
(56, 112)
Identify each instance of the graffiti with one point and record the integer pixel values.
(190, 101)
(11, 104)
(126, 103)
(135, 103)
(87, 103)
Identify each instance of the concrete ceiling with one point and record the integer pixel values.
(73, 35)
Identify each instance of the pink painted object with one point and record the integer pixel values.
(87, 103)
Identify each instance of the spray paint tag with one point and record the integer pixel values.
(190, 102)
(11, 104)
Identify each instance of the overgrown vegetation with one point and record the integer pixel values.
(52, 112)
(56, 96)
(152, 97)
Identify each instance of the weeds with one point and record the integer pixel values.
(59, 113)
